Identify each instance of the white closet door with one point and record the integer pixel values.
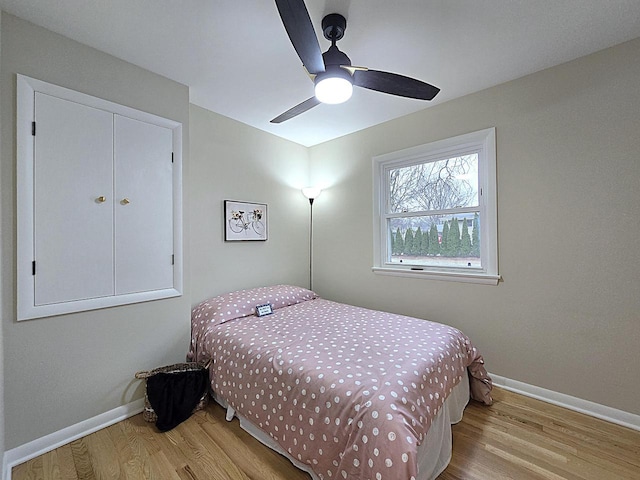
(144, 206)
(73, 201)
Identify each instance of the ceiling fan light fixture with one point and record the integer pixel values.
(332, 71)
(334, 87)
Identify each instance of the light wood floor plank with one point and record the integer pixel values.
(81, 459)
(518, 438)
(154, 464)
(30, 470)
(256, 464)
(64, 458)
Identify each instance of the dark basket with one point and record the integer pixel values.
(148, 413)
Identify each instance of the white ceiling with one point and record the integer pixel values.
(237, 59)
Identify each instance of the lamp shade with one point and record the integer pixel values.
(311, 192)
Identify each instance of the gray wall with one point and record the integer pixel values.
(63, 370)
(567, 315)
(231, 161)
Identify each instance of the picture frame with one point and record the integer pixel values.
(245, 221)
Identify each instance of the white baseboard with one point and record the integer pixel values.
(37, 447)
(613, 415)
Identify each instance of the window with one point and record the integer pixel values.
(436, 212)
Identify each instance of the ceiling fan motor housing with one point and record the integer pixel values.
(335, 84)
(333, 56)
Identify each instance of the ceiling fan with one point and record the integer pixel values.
(331, 71)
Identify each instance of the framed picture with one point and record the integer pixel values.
(245, 221)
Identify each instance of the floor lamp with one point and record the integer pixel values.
(311, 193)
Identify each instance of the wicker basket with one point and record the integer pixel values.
(148, 413)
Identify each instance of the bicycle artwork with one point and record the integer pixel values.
(245, 221)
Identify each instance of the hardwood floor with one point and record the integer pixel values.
(522, 438)
(517, 438)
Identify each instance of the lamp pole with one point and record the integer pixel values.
(311, 193)
(311, 244)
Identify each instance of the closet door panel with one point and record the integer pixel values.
(144, 206)
(73, 201)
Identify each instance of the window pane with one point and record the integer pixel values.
(436, 241)
(440, 185)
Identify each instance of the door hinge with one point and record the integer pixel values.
(173, 259)
(171, 157)
(33, 267)
(33, 128)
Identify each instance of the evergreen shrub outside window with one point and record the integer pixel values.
(436, 209)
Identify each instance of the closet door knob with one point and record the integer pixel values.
(125, 201)
(101, 199)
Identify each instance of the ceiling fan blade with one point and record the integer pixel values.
(297, 110)
(394, 84)
(297, 23)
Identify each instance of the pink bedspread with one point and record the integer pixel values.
(349, 391)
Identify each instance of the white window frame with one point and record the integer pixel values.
(484, 143)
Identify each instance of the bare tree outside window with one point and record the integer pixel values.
(440, 185)
(438, 196)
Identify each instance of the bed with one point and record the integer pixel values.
(342, 391)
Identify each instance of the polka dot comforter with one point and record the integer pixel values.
(349, 391)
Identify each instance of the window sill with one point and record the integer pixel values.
(465, 277)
